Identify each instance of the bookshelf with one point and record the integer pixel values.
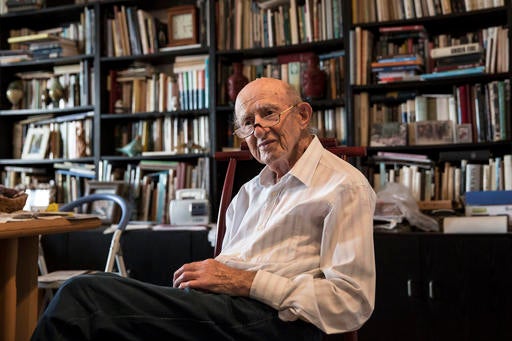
(426, 83)
(121, 99)
(262, 35)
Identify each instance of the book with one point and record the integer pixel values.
(453, 73)
(489, 210)
(456, 50)
(36, 37)
(473, 177)
(475, 224)
(401, 28)
(403, 156)
(503, 197)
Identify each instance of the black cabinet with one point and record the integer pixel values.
(441, 287)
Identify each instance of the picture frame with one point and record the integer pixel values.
(182, 25)
(464, 133)
(107, 211)
(388, 134)
(36, 143)
(432, 132)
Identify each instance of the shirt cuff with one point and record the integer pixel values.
(269, 288)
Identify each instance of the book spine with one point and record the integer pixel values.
(455, 50)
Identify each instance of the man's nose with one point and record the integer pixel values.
(259, 129)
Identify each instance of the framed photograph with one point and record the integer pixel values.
(388, 134)
(463, 133)
(433, 132)
(36, 143)
(106, 210)
(182, 25)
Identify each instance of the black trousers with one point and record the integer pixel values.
(108, 307)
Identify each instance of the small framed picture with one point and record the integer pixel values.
(463, 133)
(36, 143)
(182, 25)
(433, 132)
(388, 134)
(107, 211)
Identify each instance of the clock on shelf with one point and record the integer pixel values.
(182, 25)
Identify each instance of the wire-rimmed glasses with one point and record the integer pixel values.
(247, 127)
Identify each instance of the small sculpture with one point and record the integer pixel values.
(15, 93)
(56, 91)
(313, 80)
(45, 98)
(133, 148)
(236, 81)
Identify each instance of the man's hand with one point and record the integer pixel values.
(211, 275)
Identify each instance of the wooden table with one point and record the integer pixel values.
(18, 271)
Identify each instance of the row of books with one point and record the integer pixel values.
(447, 181)
(13, 176)
(144, 88)
(74, 80)
(153, 183)
(133, 31)
(330, 123)
(254, 24)
(167, 135)
(366, 11)
(477, 112)
(42, 137)
(405, 53)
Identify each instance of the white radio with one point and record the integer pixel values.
(190, 207)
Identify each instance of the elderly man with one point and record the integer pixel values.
(297, 256)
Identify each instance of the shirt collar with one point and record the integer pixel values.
(303, 169)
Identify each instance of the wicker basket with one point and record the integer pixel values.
(9, 205)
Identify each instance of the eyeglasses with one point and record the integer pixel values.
(247, 127)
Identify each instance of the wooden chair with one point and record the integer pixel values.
(227, 193)
(54, 279)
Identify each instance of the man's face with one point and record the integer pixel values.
(272, 145)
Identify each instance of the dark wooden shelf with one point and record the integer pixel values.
(56, 112)
(49, 162)
(145, 115)
(449, 22)
(318, 47)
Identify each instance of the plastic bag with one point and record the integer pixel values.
(401, 196)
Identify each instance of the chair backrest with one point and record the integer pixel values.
(114, 254)
(233, 157)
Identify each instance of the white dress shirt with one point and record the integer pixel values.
(310, 239)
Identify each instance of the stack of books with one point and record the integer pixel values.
(14, 56)
(489, 203)
(45, 45)
(400, 53)
(401, 67)
(463, 59)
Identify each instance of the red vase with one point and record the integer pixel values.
(236, 82)
(313, 80)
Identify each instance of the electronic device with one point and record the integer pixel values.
(191, 207)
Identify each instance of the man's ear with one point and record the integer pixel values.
(305, 111)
